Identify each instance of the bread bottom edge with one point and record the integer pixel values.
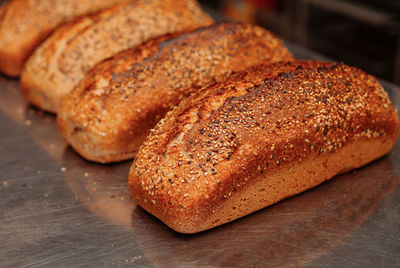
(85, 145)
(104, 158)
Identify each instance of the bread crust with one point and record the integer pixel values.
(259, 137)
(108, 116)
(72, 50)
(24, 24)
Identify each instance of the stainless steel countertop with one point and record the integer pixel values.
(58, 210)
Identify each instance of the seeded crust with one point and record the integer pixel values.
(24, 24)
(261, 136)
(58, 65)
(108, 116)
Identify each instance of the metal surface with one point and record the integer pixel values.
(58, 210)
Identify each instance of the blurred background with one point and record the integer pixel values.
(364, 33)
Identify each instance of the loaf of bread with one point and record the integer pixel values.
(108, 116)
(24, 24)
(63, 59)
(262, 135)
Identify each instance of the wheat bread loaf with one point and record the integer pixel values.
(261, 136)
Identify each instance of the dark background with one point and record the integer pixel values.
(364, 33)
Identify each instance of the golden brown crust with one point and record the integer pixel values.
(24, 24)
(71, 51)
(263, 135)
(108, 116)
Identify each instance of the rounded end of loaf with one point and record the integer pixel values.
(181, 217)
(42, 84)
(95, 138)
(91, 145)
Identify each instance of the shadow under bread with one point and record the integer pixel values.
(12, 104)
(43, 130)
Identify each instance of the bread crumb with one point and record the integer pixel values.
(28, 123)
(93, 189)
(63, 169)
(86, 174)
(134, 259)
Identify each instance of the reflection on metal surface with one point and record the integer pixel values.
(11, 100)
(44, 132)
(40, 125)
(102, 188)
